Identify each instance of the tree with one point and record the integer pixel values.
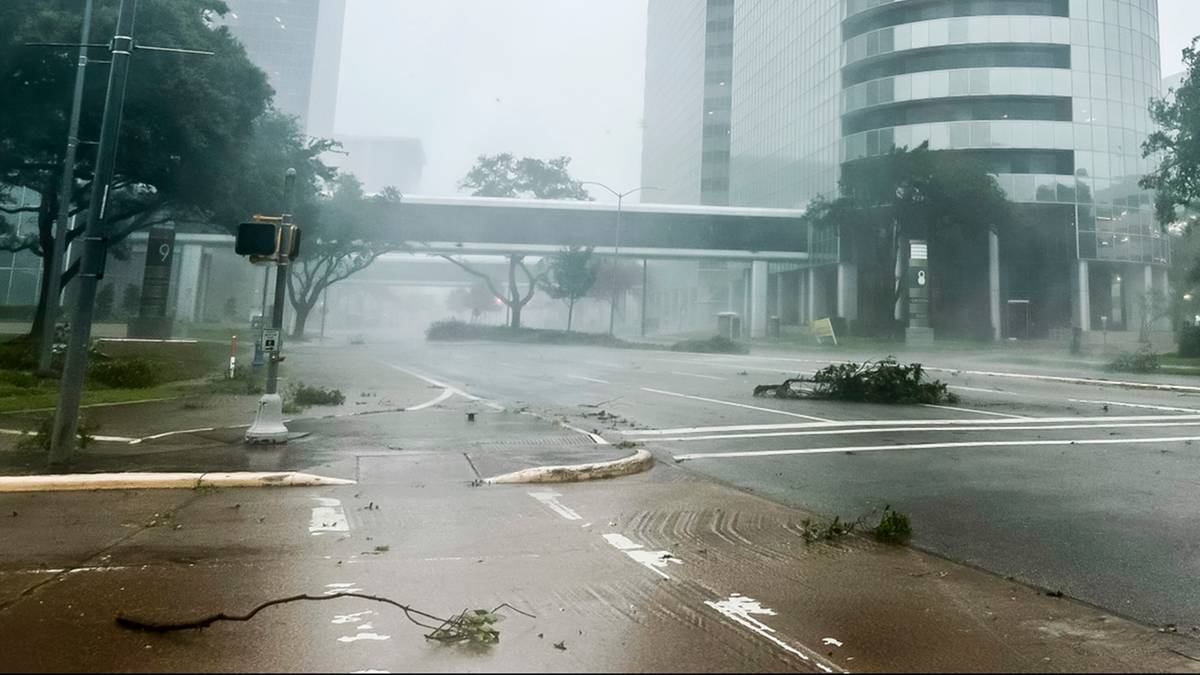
(945, 198)
(476, 300)
(1176, 182)
(570, 274)
(105, 299)
(131, 300)
(186, 121)
(340, 241)
(503, 175)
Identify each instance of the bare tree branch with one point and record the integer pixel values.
(487, 279)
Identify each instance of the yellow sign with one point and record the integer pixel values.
(822, 328)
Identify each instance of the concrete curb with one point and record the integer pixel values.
(638, 462)
(164, 481)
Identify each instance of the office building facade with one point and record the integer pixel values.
(299, 44)
(1051, 95)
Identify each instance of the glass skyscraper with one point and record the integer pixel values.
(1051, 95)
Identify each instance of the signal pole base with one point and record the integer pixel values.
(268, 422)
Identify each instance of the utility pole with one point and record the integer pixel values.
(94, 242)
(54, 283)
(281, 274)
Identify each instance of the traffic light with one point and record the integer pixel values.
(257, 239)
(268, 240)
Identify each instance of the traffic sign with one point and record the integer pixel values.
(270, 340)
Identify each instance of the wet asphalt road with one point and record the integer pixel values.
(1091, 490)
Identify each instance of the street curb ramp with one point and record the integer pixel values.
(638, 462)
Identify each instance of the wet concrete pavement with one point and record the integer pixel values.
(680, 568)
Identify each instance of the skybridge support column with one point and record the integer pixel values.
(847, 291)
(758, 299)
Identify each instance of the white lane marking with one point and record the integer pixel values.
(898, 430)
(589, 379)
(655, 561)
(351, 618)
(1146, 406)
(940, 446)
(1018, 376)
(883, 423)
(436, 383)
(334, 589)
(363, 636)
(831, 642)
(982, 390)
(596, 438)
(622, 542)
(977, 412)
(736, 405)
(550, 500)
(328, 517)
(743, 609)
(446, 393)
(706, 377)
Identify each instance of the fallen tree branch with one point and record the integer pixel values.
(468, 625)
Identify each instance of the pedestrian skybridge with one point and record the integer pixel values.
(490, 226)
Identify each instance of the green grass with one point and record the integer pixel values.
(45, 397)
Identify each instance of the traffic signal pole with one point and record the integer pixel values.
(94, 244)
(268, 424)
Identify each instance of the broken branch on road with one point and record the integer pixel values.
(477, 625)
(884, 381)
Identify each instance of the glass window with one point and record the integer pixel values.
(980, 81)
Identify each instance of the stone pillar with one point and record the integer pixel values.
(994, 284)
(758, 299)
(847, 291)
(1083, 300)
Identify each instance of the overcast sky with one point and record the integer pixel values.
(533, 77)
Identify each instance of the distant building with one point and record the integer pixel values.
(1172, 82)
(299, 45)
(761, 103)
(381, 161)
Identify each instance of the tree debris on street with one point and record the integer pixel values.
(475, 626)
(884, 381)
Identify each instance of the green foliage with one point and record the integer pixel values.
(503, 175)
(815, 532)
(1189, 341)
(304, 395)
(943, 197)
(475, 626)
(1142, 361)
(884, 381)
(131, 300)
(569, 277)
(105, 298)
(893, 527)
(39, 440)
(132, 373)
(243, 382)
(342, 237)
(714, 345)
(1176, 140)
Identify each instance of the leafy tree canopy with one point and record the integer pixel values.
(504, 175)
(1176, 182)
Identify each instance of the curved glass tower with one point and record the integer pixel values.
(1051, 95)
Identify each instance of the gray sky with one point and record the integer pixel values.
(534, 77)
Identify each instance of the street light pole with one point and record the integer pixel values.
(612, 307)
(65, 190)
(94, 242)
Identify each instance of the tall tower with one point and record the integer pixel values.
(298, 43)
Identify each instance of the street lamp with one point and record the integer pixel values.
(612, 308)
